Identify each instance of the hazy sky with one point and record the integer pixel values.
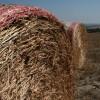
(86, 11)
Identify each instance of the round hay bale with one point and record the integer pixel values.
(35, 55)
(79, 37)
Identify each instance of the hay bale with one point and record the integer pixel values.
(79, 37)
(35, 55)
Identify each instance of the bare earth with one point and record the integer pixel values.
(89, 77)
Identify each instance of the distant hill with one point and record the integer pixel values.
(91, 28)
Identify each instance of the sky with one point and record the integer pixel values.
(85, 11)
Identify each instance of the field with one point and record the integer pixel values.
(89, 77)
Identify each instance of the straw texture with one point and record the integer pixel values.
(35, 55)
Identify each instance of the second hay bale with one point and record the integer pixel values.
(79, 37)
